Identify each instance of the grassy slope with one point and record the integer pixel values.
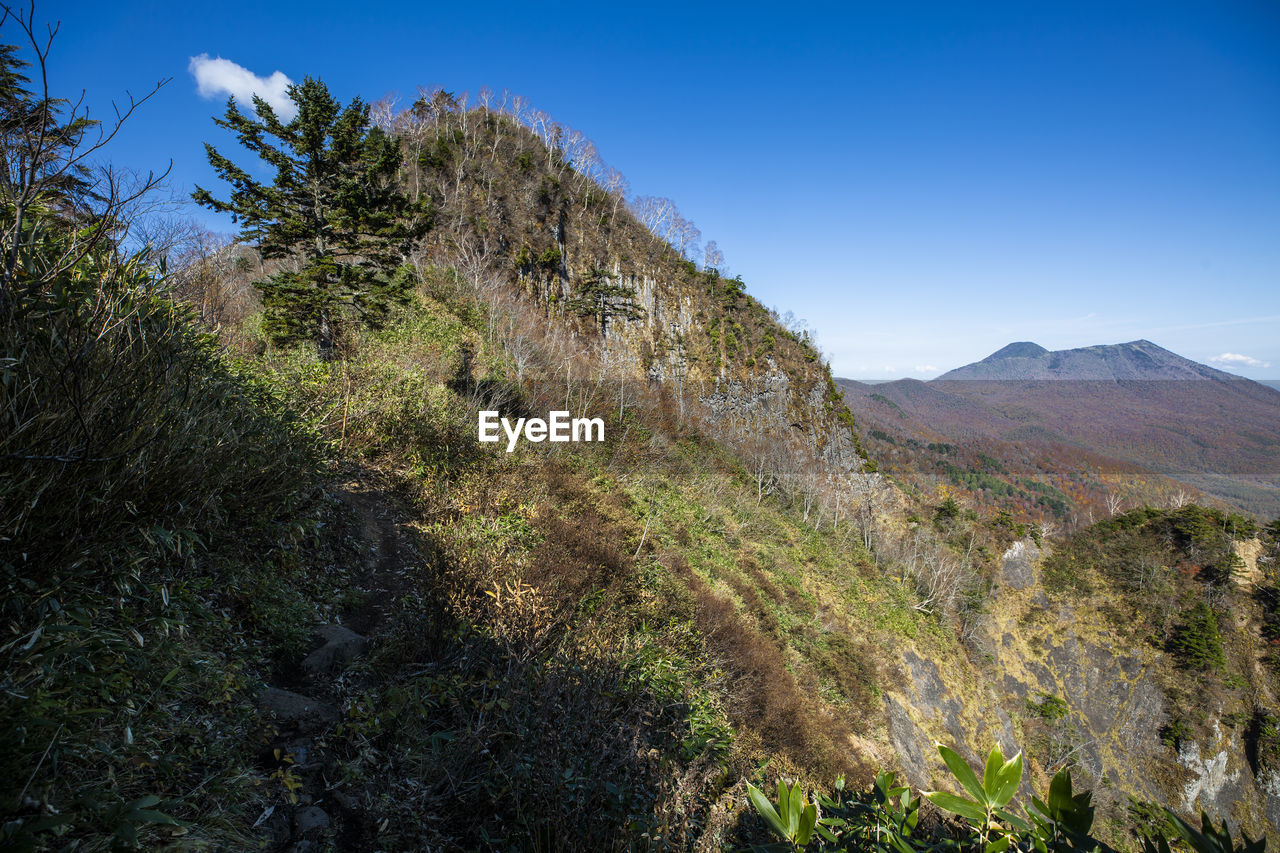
(638, 594)
(725, 634)
(549, 597)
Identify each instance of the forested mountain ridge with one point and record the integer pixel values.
(527, 211)
(276, 594)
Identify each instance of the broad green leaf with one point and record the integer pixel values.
(1007, 779)
(1040, 808)
(957, 805)
(991, 774)
(807, 821)
(1073, 811)
(1059, 793)
(1189, 834)
(789, 806)
(964, 773)
(997, 846)
(766, 810)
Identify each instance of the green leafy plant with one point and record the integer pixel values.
(1063, 820)
(886, 817)
(1207, 839)
(883, 819)
(792, 818)
(986, 810)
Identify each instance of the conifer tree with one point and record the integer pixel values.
(598, 297)
(1198, 642)
(334, 208)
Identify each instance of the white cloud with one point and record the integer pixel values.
(1238, 359)
(926, 368)
(218, 77)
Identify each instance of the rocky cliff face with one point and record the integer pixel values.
(1054, 678)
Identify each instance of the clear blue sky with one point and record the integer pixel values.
(924, 182)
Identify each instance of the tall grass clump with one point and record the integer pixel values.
(152, 499)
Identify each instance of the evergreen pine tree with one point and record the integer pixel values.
(1197, 640)
(598, 297)
(334, 208)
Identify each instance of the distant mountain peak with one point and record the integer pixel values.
(1139, 360)
(1019, 349)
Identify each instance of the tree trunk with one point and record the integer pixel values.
(325, 348)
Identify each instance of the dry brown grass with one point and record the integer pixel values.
(765, 696)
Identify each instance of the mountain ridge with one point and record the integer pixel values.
(1097, 412)
(1139, 360)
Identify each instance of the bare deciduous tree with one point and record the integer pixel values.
(712, 257)
(382, 112)
(616, 185)
(47, 148)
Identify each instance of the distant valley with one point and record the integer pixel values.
(1066, 432)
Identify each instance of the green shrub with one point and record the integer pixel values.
(886, 817)
(1197, 642)
(946, 513)
(1050, 708)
